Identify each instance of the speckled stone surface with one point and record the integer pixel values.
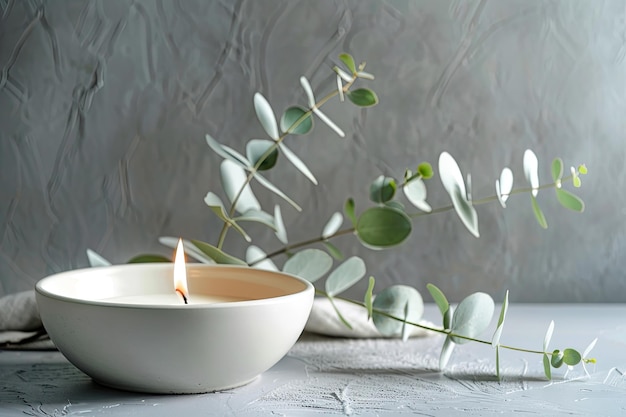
(104, 106)
(368, 377)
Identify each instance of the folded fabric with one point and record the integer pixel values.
(20, 324)
(324, 320)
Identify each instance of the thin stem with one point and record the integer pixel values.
(287, 248)
(434, 329)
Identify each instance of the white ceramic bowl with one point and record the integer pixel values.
(173, 348)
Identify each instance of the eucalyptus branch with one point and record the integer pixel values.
(269, 151)
(320, 239)
(385, 224)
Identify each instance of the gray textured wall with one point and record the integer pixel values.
(104, 106)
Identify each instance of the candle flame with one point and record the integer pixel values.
(180, 272)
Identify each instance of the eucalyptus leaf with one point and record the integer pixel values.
(349, 209)
(342, 74)
(148, 258)
(425, 170)
(237, 157)
(281, 231)
(546, 367)
(294, 115)
(297, 162)
(216, 254)
(258, 216)
(96, 259)
(188, 247)
(309, 264)
(233, 157)
(541, 219)
(452, 180)
(257, 148)
(498, 362)
(257, 258)
(400, 301)
(466, 211)
(504, 186)
(472, 316)
(340, 88)
(557, 359)
(446, 352)
(496, 336)
(569, 200)
(531, 166)
(383, 227)
(266, 116)
(557, 169)
(368, 299)
(571, 357)
(348, 61)
(363, 97)
(415, 192)
(267, 184)
(333, 225)
(308, 91)
(548, 336)
(333, 250)
(345, 275)
(439, 298)
(382, 189)
(233, 179)
(447, 318)
(328, 122)
(217, 207)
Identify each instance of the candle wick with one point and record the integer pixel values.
(184, 298)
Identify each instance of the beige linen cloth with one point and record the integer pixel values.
(20, 325)
(324, 320)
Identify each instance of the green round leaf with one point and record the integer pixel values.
(256, 148)
(582, 168)
(383, 227)
(541, 219)
(382, 189)
(557, 358)
(571, 357)
(348, 61)
(148, 259)
(425, 170)
(400, 301)
(569, 200)
(557, 169)
(472, 316)
(363, 97)
(345, 275)
(310, 264)
(294, 115)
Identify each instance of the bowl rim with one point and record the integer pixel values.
(41, 291)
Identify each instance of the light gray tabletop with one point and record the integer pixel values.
(331, 376)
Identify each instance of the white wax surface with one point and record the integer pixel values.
(170, 299)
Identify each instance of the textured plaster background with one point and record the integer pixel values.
(104, 106)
